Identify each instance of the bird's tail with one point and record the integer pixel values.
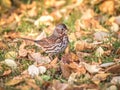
(29, 39)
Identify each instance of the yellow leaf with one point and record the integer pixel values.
(14, 82)
(108, 6)
(6, 3)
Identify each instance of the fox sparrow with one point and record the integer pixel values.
(55, 43)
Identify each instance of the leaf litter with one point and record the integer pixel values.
(91, 61)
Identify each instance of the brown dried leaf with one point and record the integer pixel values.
(2, 45)
(53, 63)
(14, 81)
(66, 71)
(82, 45)
(77, 68)
(23, 52)
(100, 77)
(70, 57)
(113, 69)
(31, 82)
(57, 85)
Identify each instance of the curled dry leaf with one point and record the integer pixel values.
(22, 52)
(91, 68)
(100, 77)
(33, 70)
(11, 63)
(113, 69)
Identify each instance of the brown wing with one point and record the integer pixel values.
(48, 42)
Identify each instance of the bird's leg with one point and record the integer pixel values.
(51, 56)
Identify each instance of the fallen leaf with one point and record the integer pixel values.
(105, 65)
(57, 15)
(117, 20)
(104, 7)
(113, 69)
(6, 3)
(115, 80)
(79, 69)
(2, 45)
(22, 52)
(24, 87)
(53, 63)
(72, 78)
(115, 27)
(11, 55)
(101, 36)
(7, 72)
(32, 12)
(112, 87)
(14, 82)
(57, 85)
(72, 37)
(39, 58)
(91, 68)
(70, 57)
(100, 77)
(66, 71)
(11, 63)
(31, 82)
(82, 45)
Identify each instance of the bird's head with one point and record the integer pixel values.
(60, 29)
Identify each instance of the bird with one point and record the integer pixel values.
(55, 43)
